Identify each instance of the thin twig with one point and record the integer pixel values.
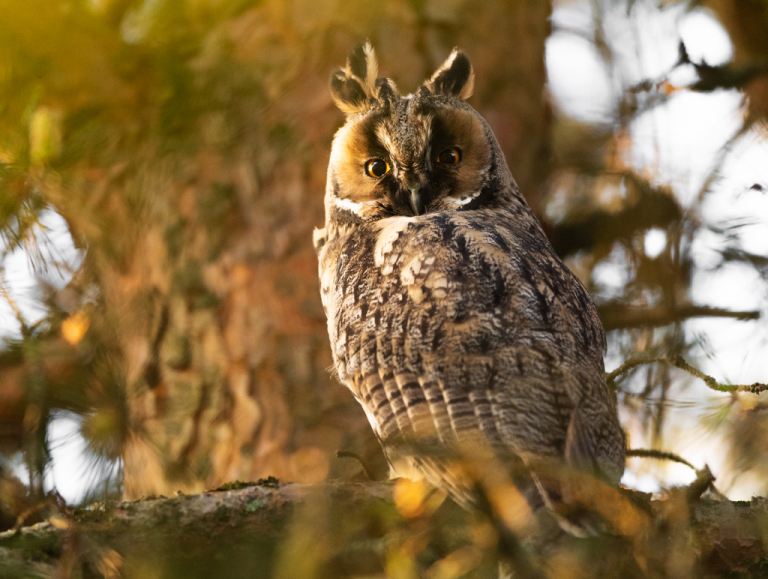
(701, 475)
(358, 458)
(631, 364)
(659, 454)
(679, 362)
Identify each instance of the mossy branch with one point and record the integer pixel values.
(679, 362)
(272, 530)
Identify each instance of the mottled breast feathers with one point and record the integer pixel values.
(451, 318)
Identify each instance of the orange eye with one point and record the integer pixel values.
(449, 156)
(376, 168)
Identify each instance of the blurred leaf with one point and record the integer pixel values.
(74, 327)
(45, 135)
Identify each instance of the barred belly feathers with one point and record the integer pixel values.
(451, 319)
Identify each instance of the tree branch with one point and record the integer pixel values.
(678, 362)
(619, 316)
(278, 530)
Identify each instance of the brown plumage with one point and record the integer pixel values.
(451, 318)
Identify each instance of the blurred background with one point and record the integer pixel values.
(162, 167)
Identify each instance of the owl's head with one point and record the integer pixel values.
(411, 155)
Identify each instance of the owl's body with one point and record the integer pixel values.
(451, 319)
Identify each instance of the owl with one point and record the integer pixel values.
(451, 319)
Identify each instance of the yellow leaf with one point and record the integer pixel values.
(409, 497)
(400, 565)
(59, 523)
(510, 505)
(110, 563)
(45, 135)
(74, 327)
(455, 565)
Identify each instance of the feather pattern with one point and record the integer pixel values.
(456, 325)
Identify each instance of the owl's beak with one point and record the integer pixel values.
(417, 202)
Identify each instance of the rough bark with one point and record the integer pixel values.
(338, 529)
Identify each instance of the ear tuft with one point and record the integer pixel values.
(362, 63)
(347, 92)
(454, 78)
(386, 89)
(354, 86)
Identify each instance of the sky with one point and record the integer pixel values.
(677, 143)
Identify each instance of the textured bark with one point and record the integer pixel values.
(253, 531)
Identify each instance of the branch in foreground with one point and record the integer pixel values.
(701, 475)
(679, 362)
(341, 530)
(620, 316)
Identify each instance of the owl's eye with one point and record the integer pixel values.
(449, 156)
(376, 168)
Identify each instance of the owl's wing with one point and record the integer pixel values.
(449, 327)
(590, 446)
(580, 444)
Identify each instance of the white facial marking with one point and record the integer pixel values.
(353, 206)
(471, 196)
(452, 202)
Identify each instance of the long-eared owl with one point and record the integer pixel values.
(451, 319)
